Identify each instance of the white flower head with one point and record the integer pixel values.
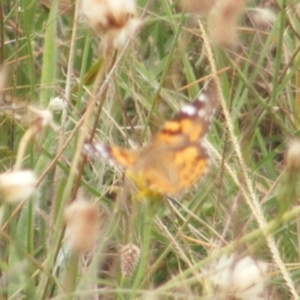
(232, 277)
(57, 104)
(114, 20)
(16, 186)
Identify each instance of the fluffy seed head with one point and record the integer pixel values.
(223, 21)
(235, 278)
(82, 223)
(16, 186)
(114, 20)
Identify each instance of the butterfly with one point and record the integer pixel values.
(177, 157)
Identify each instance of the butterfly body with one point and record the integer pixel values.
(177, 157)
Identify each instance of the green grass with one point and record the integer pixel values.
(248, 203)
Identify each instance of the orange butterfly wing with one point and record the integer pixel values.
(181, 140)
(177, 158)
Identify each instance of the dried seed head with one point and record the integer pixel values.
(223, 21)
(114, 20)
(16, 186)
(199, 6)
(292, 155)
(235, 278)
(130, 255)
(82, 225)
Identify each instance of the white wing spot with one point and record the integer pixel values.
(202, 98)
(88, 149)
(102, 151)
(189, 110)
(202, 113)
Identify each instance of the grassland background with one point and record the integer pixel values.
(247, 189)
